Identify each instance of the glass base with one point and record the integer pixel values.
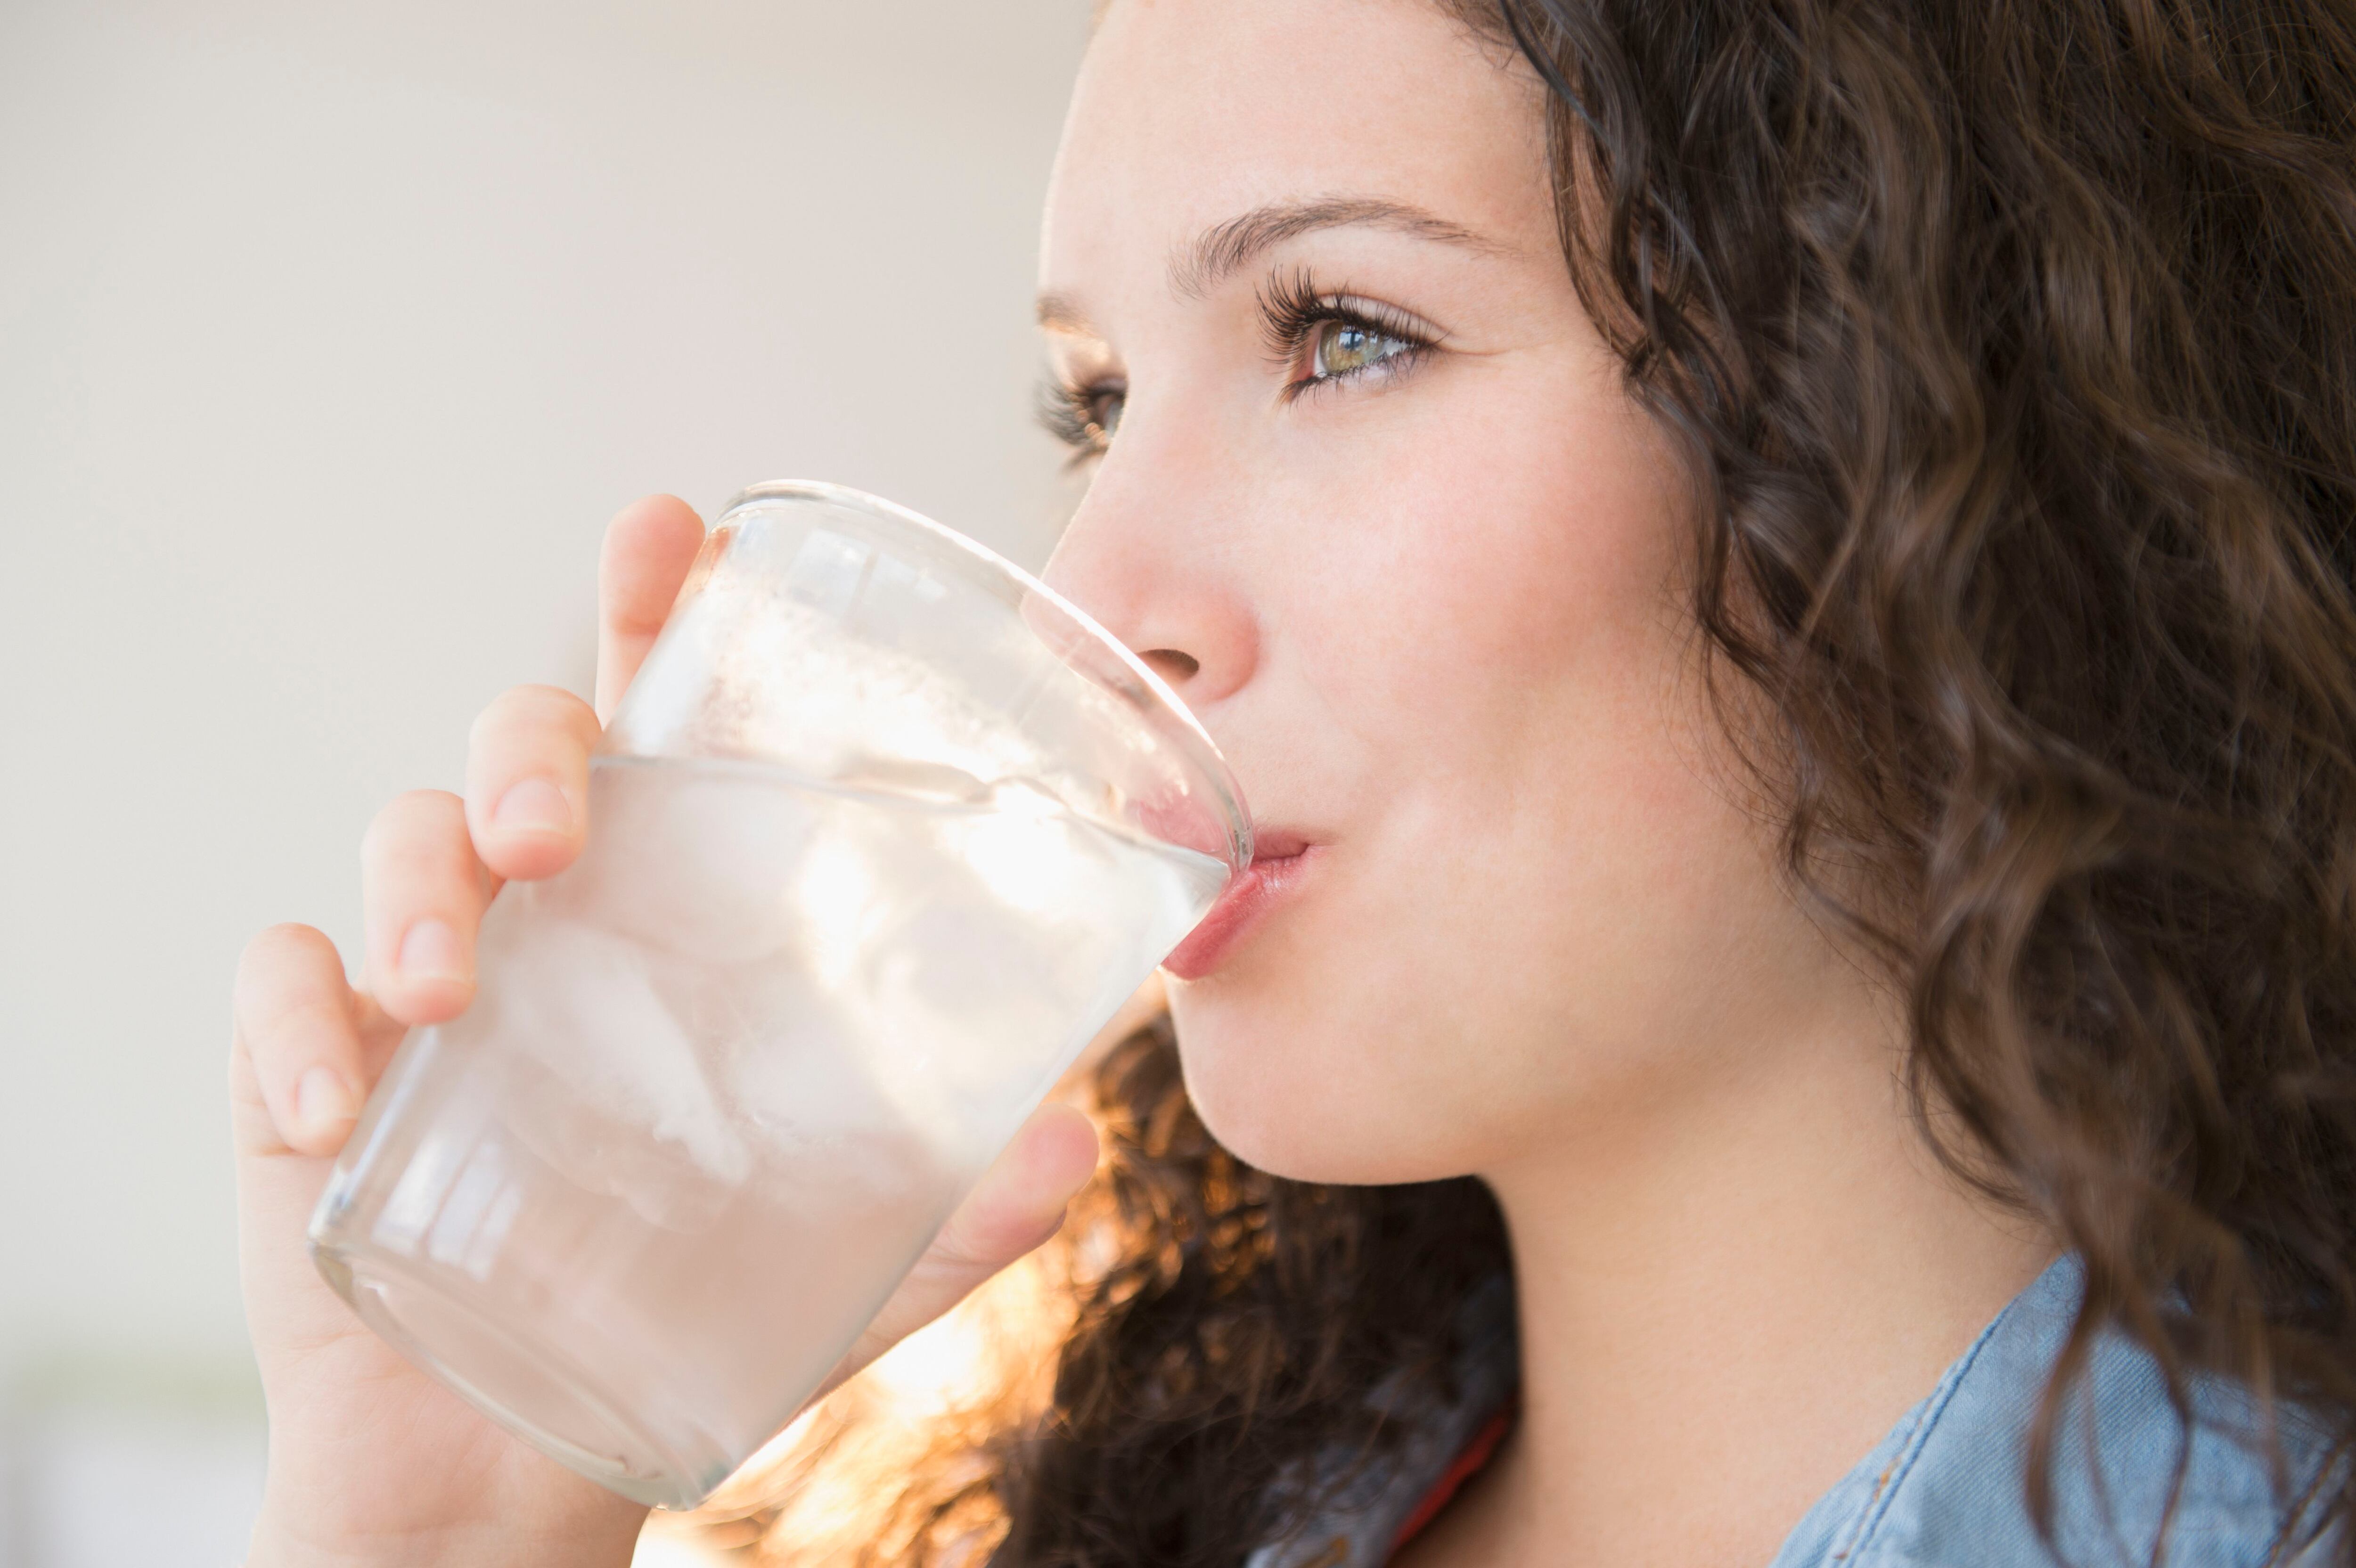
(539, 1395)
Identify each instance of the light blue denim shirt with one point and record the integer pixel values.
(1944, 1488)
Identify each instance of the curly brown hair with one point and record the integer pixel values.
(2014, 345)
(2011, 345)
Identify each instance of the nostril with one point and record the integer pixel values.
(1171, 665)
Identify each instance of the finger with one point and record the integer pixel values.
(648, 547)
(1018, 1203)
(422, 895)
(302, 1056)
(528, 780)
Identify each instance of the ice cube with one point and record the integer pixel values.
(631, 1111)
(796, 1072)
(695, 862)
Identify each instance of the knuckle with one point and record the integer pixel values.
(974, 1245)
(275, 951)
(541, 705)
(268, 955)
(487, 725)
(304, 1024)
(503, 710)
(289, 987)
(527, 717)
(286, 939)
(552, 700)
(413, 826)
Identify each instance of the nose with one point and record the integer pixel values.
(1159, 576)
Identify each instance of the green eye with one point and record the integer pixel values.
(1345, 347)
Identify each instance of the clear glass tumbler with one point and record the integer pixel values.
(882, 832)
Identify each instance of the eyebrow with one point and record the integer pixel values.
(1061, 313)
(1219, 250)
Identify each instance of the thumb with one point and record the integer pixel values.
(1018, 1203)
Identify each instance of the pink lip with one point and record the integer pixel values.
(1275, 872)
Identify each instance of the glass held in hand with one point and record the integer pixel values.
(882, 834)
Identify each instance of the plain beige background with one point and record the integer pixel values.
(329, 336)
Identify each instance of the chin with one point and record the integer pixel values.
(1298, 1098)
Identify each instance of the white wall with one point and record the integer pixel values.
(329, 336)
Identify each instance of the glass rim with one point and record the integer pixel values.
(1200, 749)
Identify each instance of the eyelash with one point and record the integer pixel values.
(1292, 310)
(1071, 414)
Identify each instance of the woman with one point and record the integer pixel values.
(1808, 754)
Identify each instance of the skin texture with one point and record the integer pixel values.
(1433, 615)
(1433, 612)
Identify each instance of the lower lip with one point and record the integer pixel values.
(1247, 899)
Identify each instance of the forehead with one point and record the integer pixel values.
(1189, 112)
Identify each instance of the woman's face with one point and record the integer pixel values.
(1377, 502)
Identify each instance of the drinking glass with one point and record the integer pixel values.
(883, 831)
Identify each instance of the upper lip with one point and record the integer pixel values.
(1279, 855)
(1271, 842)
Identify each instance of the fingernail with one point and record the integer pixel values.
(431, 952)
(534, 805)
(322, 1098)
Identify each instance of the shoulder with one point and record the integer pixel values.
(1947, 1486)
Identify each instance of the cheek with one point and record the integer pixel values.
(1522, 544)
(1538, 860)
